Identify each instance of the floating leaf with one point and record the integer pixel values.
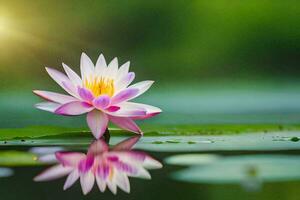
(240, 169)
(191, 159)
(242, 142)
(150, 130)
(18, 158)
(6, 172)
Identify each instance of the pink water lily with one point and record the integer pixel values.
(109, 168)
(103, 92)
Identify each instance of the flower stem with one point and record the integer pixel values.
(106, 136)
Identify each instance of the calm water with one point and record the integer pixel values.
(223, 174)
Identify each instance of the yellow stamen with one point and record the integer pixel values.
(100, 85)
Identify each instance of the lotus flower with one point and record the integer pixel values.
(103, 92)
(109, 168)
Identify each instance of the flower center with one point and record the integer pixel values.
(100, 85)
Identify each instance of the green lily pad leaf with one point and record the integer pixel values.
(150, 130)
(191, 159)
(48, 131)
(240, 169)
(18, 158)
(6, 172)
(35, 131)
(242, 142)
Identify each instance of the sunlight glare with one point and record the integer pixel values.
(3, 25)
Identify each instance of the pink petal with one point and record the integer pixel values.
(71, 179)
(113, 109)
(71, 159)
(151, 163)
(142, 173)
(129, 163)
(55, 97)
(74, 78)
(141, 86)
(87, 181)
(100, 65)
(86, 66)
(86, 164)
(70, 87)
(126, 144)
(112, 158)
(52, 173)
(150, 110)
(47, 106)
(112, 186)
(126, 123)
(56, 75)
(124, 112)
(123, 82)
(101, 183)
(74, 108)
(122, 181)
(132, 157)
(132, 164)
(103, 171)
(145, 116)
(123, 70)
(126, 168)
(85, 94)
(112, 68)
(97, 121)
(101, 102)
(97, 147)
(124, 95)
(62, 80)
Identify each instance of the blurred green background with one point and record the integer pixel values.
(213, 61)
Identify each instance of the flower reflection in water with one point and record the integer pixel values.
(109, 168)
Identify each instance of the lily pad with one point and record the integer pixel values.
(6, 172)
(18, 158)
(240, 169)
(242, 142)
(149, 130)
(192, 159)
(35, 131)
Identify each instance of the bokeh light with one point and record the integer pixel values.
(4, 25)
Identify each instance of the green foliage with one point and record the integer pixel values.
(246, 170)
(200, 39)
(18, 158)
(150, 130)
